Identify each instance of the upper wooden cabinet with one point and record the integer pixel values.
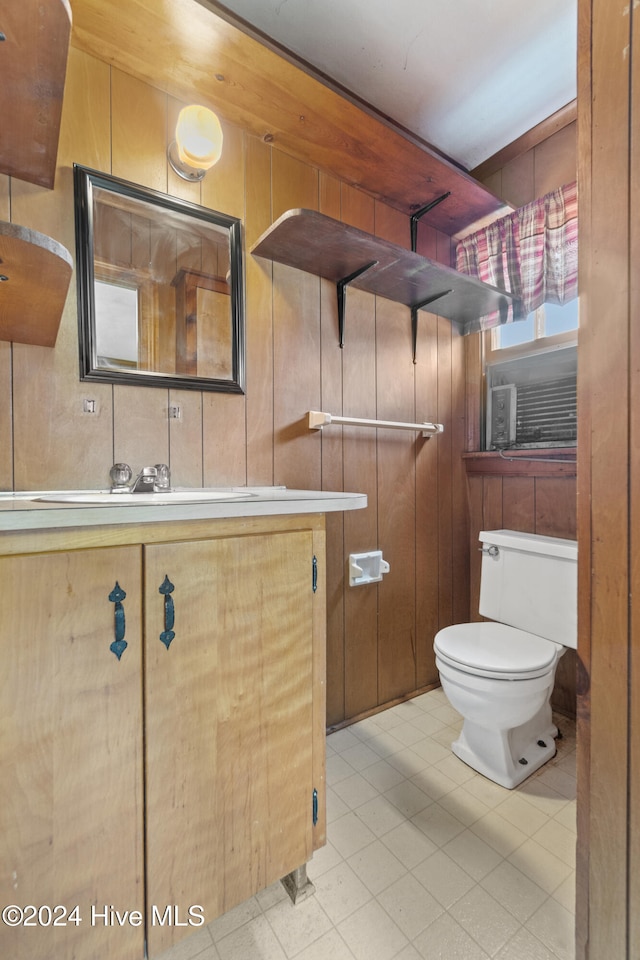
(33, 61)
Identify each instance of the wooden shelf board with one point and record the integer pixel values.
(39, 270)
(33, 64)
(328, 248)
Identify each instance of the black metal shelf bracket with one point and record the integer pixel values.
(341, 288)
(415, 217)
(414, 318)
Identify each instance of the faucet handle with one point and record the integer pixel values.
(121, 474)
(163, 477)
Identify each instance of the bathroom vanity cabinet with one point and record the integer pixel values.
(159, 749)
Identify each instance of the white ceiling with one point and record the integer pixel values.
(466, 76)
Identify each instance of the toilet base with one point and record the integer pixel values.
(498, 754)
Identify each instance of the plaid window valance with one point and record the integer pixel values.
(532, 253)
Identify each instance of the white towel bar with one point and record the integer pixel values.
(318, 420)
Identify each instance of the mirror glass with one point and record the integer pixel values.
(160, 288)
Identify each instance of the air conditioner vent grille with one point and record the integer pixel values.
(546, 412)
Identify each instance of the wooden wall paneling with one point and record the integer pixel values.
(186, 451)
(6, 375)
(48, 417)
(6, 417)
(492, 501)
(357, 209)
(518, 180)
(555, 160)
(259, 316)
(293, 184)
(224, 428)
(361, 533)
(474, 417)
(519, 503)
(606, 288)
(296, 359)
(445, 475)
(476, 524)
(585, 365)
(360, 526)
(333, 471)
(427, 500)
(139, 131)
(556, 507)
(634, 310)
(296, 307)
(140, 426)
(427, 493)
(459, 508)
(396, 503)
(224, 456)
(397, 453)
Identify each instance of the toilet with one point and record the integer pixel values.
(499, 673)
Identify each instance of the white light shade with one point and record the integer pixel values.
(198, 137)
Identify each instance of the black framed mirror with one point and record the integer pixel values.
(160, 288)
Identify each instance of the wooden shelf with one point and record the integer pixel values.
(328, 248)
(33, 63)
(35, 272)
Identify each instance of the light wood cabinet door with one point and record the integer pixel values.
(71, 754)
(229, 721)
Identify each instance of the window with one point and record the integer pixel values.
(542, 328)
(530, 373)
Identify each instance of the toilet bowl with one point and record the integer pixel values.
(499, 674)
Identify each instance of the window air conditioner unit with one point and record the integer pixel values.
(531, 406)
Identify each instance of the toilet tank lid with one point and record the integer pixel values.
(531, 543)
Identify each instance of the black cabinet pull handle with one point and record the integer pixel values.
(119, 644)
(166, 589)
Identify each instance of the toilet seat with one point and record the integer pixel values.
(497, 651)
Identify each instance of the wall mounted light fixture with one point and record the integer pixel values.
(198, 143)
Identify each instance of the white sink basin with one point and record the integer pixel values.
(145, 499)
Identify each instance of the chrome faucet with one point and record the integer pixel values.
(155, 479)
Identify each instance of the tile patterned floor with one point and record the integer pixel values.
(425, 860)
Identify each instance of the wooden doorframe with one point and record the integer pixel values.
(608, 893)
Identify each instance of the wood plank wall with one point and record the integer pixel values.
(380, 637)
(608, 893)
(524, 496)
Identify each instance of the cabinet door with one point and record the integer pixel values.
(70, 754)
(228, 721)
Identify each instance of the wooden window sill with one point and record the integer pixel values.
(549, 462)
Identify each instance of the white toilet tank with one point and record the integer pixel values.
(531, 582)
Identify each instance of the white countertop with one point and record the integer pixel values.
(23, 511)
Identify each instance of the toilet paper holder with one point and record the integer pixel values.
(367, 567)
